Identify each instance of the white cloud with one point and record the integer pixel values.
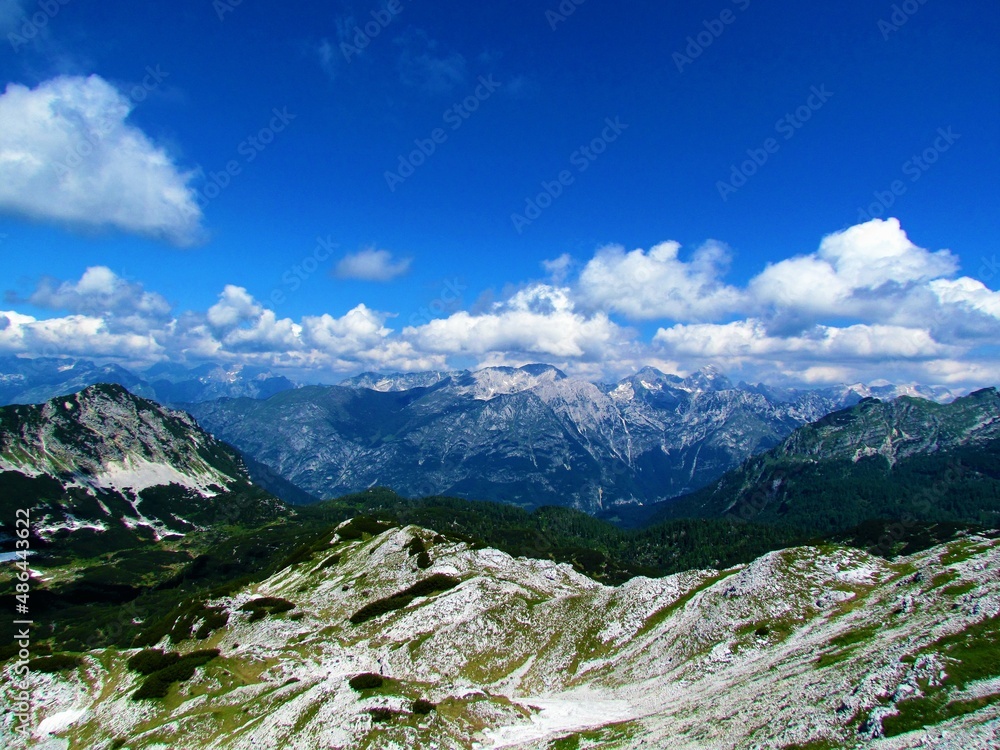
(74, 335)
(868, 270)
(749, 339)
(658, 284)
(970, 294)
(67, 154)
(913, 321)
(371, 265)
(558, 268)
(539, 320)
(101, 292)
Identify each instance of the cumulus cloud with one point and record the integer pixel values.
(540, 320)
(871, 270)
(749, 339)
(558, 268)
(658, 284)
(68, 155)
(101, 292)
(371, 265)
(906, 317)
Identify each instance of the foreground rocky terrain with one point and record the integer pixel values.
(812, 647)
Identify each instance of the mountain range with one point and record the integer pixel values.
(32, 381)
(530, 436)
(179, 605)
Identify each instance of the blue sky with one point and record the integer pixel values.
(380, 165)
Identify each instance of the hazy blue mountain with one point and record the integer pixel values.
(530, 435)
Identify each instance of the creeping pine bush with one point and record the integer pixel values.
(366, 681)
(422, 707)
(54, 663)
(151, 660)
(356, 528)
(428, 586)
(266, 605)
(181, 669)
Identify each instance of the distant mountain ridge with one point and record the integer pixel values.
(530, 435)
(908, 458)
(32, 381)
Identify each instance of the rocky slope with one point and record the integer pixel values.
(103, 469)
(530, 435)
(905, 459)
(808, 647)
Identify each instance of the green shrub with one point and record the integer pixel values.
(357, 527)
(330, 562)
(157, 684)
(179, 623)
(266, 605)
(54, 663)
(424, 561)
(366, 681)
(214, 618)
(430, 585)
(382, 715)
(152, 660)
(422, 707)
(416, 546)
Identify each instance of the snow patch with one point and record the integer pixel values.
(138, 474)
(58, 722)
(568, 712)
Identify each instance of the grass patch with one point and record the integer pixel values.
(844, 645)
(916, 713)
(961, 551)
(608, 736)
(662, 614)
(959, 589)
(970, 655)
